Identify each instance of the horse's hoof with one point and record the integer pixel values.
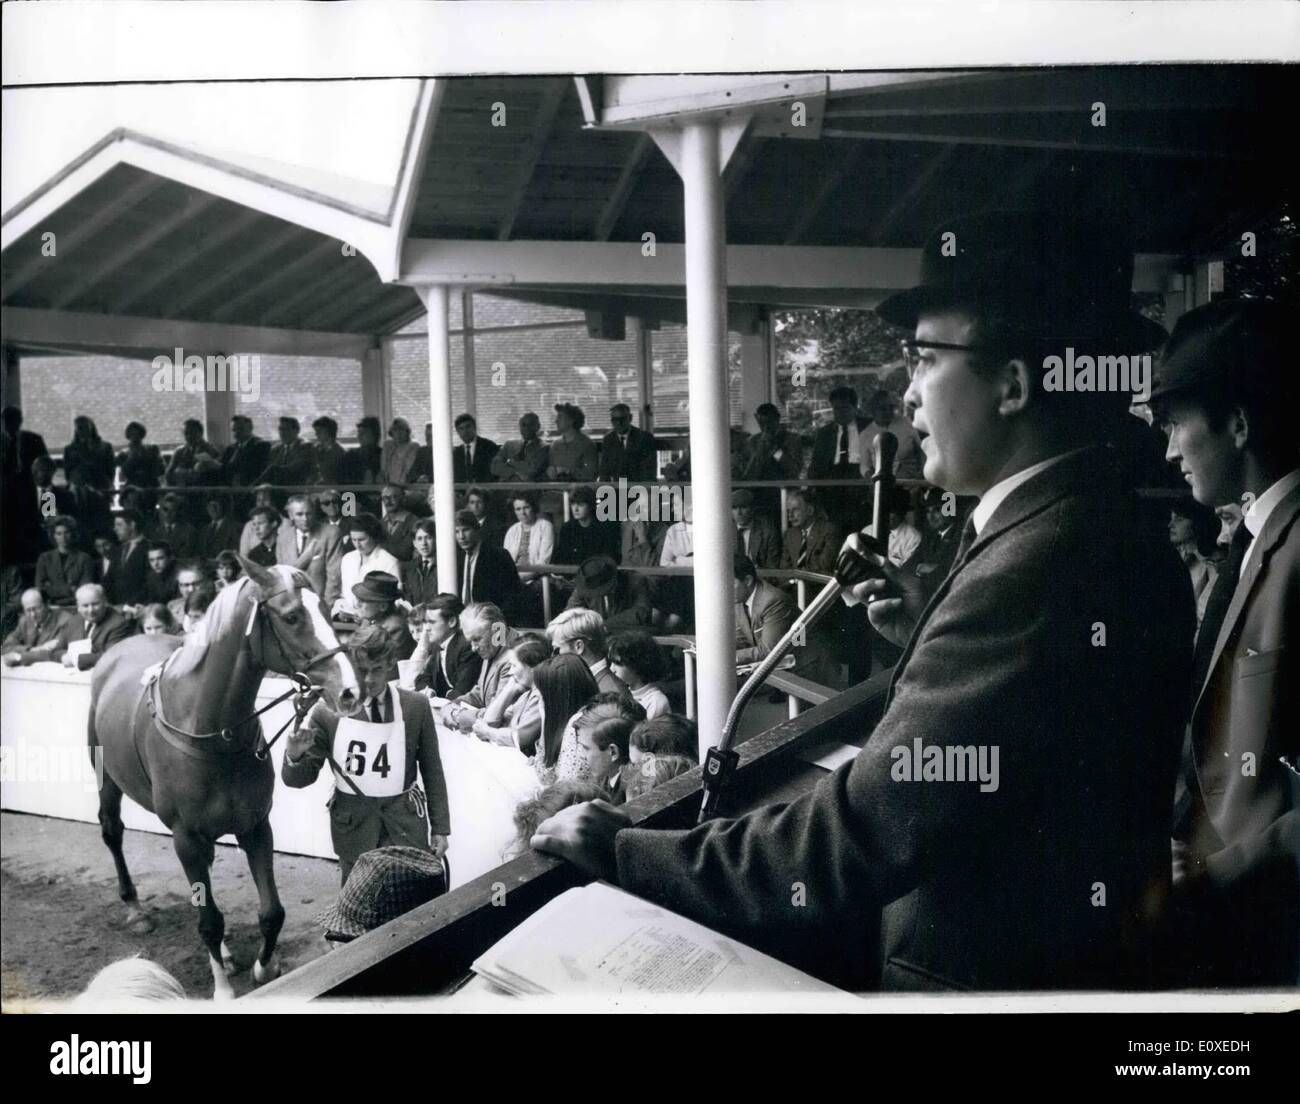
(269, 972)
(140, 922)
(228, 964)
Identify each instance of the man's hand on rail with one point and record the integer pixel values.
(584, 834)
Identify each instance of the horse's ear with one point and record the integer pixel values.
(263, 577)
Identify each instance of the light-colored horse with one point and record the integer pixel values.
(183, 739)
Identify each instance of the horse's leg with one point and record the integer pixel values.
(112, 830)
(196, 854)
(259, 845)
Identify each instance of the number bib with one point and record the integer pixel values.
(372, 756)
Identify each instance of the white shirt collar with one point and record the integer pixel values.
(749, 603)
(998, 493)
(1257, 514)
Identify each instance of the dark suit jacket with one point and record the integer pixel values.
(636, 461)
(126, 581)
(495, 577)
(242, 466)
(764, 542)
(481, 470)
(91, 509)
(161, 588)
(27, 448)
(321, 560)
(113, 628)
(823, 547)
(217, 536)
(264, 554)
(993, 889)
(823, 450)
(180, 536)
(288, 465)
(463, 665)
(418, 585)
(58, 578)
(1244, 776)
(363, 813)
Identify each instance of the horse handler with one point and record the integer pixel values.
(377, 801)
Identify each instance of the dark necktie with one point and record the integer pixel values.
(803, 549)
(376, 715)
(1216, 608)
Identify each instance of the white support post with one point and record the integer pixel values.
(374, 387)
(706, 342)
(755, 375)
(218, 408)
(436, 302)
(467, 340)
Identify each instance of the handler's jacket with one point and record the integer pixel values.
(310, 749)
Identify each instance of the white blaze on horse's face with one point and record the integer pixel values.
(347, 678)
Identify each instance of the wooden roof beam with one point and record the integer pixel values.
(138, 292)
(195, 204)
(66, 242)
(628, 176)
(828, 187)
(544, 121)
(224, 274)
(303, 263)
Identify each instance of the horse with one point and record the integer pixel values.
(176, 728)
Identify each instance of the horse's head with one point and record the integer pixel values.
(298, 637)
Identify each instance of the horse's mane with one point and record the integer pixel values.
(229, 612)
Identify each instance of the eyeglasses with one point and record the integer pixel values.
(913, 357)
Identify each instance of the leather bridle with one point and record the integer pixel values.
(304, 692)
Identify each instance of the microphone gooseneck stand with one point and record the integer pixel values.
(860, 558)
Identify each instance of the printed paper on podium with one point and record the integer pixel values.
(600, 940)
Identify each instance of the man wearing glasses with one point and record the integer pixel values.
(1061, 638)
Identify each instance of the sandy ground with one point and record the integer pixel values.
(61, 919)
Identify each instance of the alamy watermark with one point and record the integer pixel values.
(638, 502)
(240, 373)
(21, 761)
(1102, 373)
(946, 763)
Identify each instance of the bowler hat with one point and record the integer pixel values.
(377, 586)
(382, 885)
(596, 576)
(1053, 276)
(1226, 339)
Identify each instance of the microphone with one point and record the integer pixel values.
(862, 557)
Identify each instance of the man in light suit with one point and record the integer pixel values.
(764, 615)
(1032, 867)
(88, 634)
(35, 637)
(311, 547)
(485, 628)
(812, 542)
(1226, 396)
